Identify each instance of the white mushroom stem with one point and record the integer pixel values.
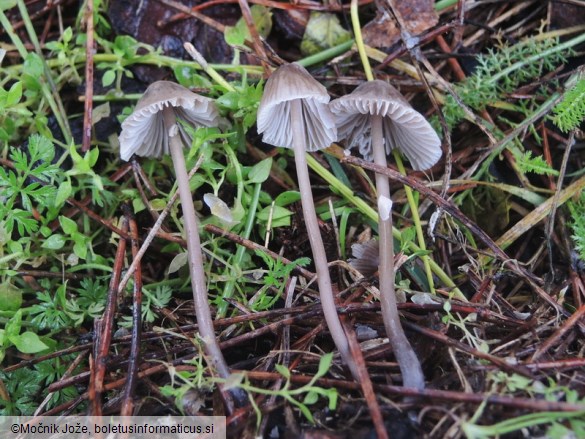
(317, 247)
(410, 367)
(202, 312)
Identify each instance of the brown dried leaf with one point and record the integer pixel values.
(418, 15)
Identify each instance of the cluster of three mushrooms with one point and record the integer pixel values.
(295, 113)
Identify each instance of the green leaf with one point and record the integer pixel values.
(54, 242)
(53, 46)
(189, 77)
(14, 94)
(277, 213)
(80, 246)
(7, 4)
(97, 181)
(28, 343)
(24, 221)
(100, 112)
(260, 171)
(138, 205)
(238, 34)
(311, 397)
(68, 225)
(229, 100)
(78, 161)
(570, 112)
(63, 193)
(108, 78)
(92, 156)
(158, 204)
(305, 410)
(262, 18)
(32, 71)
(287, 197)
(10, 297)
(323, 31)
(324, 364)
(67, 35)
(536, 164)
(178, 261)
(125, 46)
(283, 370)
(41, 149)
(235, 35)
(332, 395)
(447, 307)
(12, 328)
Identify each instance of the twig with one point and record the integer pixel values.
(256, 40)
(432, 394)
(78, 359)
(435, 198)
(495, 247)
(568, 325)
(107, 323)
(153, 232)
(416, 53)
(253, 246)
(365, 382)
(555, 202)
(128, 403)
(193, 13)
(500, 362)
(90, 213)
(94, 394)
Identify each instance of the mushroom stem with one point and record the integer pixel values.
(317, 247)
(204, 321)
(410, 367)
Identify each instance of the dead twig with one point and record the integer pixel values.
(254, 246)
(105, 327)
(127, 402)
(566, 327)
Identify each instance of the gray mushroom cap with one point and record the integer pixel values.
(403, 127)
(287, 83)
(143, 132)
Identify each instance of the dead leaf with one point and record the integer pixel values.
(418, 15)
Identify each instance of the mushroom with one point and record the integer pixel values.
(153, 130)
(377, 118)
(402, 126)
(293, 113)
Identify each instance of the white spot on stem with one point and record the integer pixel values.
(384, 207)
(435, 217)
(173, 130)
